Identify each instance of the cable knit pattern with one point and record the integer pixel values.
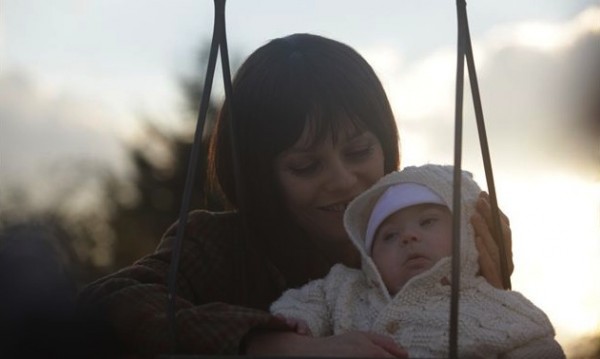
(492, 322)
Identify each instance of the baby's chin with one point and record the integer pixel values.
(411, 274)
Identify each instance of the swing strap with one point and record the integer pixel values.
(219, 40)
(465, 50)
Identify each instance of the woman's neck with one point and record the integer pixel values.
(340, 251)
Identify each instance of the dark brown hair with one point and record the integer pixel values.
(283, 86)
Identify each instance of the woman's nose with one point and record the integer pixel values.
(341, 177)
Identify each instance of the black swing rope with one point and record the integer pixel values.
(465, 50)
(219, 41)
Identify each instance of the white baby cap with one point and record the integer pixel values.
(395, 198)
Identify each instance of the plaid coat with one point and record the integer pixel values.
(224, 289)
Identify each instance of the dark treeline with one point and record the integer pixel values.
(133, 212)
(47, 255)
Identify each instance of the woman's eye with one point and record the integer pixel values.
(360, 153)
(305, 169)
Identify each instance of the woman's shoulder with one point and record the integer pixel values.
(201, 220)
(209, 226)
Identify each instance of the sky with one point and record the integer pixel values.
(78, 77)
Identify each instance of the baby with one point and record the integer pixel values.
(402, 227)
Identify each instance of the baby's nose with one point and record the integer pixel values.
(409, 236)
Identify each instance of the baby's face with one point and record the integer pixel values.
(411, 241)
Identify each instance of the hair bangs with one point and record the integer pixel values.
(315, 105)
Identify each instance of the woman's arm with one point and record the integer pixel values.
(134, 300)
(487, 244)
(350, 344)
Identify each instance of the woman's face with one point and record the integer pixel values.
(318, 180)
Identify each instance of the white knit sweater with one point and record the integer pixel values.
(492, 322)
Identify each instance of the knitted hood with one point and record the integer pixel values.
(439, 179)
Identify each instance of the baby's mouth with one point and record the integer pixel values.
(415, 257)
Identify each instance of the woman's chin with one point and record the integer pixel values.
(338, 237)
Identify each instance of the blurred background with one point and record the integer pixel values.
(99, 98)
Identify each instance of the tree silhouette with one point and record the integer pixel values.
(160, 167)
(127, 216)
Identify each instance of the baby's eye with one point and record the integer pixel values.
(425, 222)
(390, 236)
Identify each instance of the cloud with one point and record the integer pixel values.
(546, 36)
(540, 99)
(42, 132)
(540, 104)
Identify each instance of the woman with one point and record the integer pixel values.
(313, 130)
